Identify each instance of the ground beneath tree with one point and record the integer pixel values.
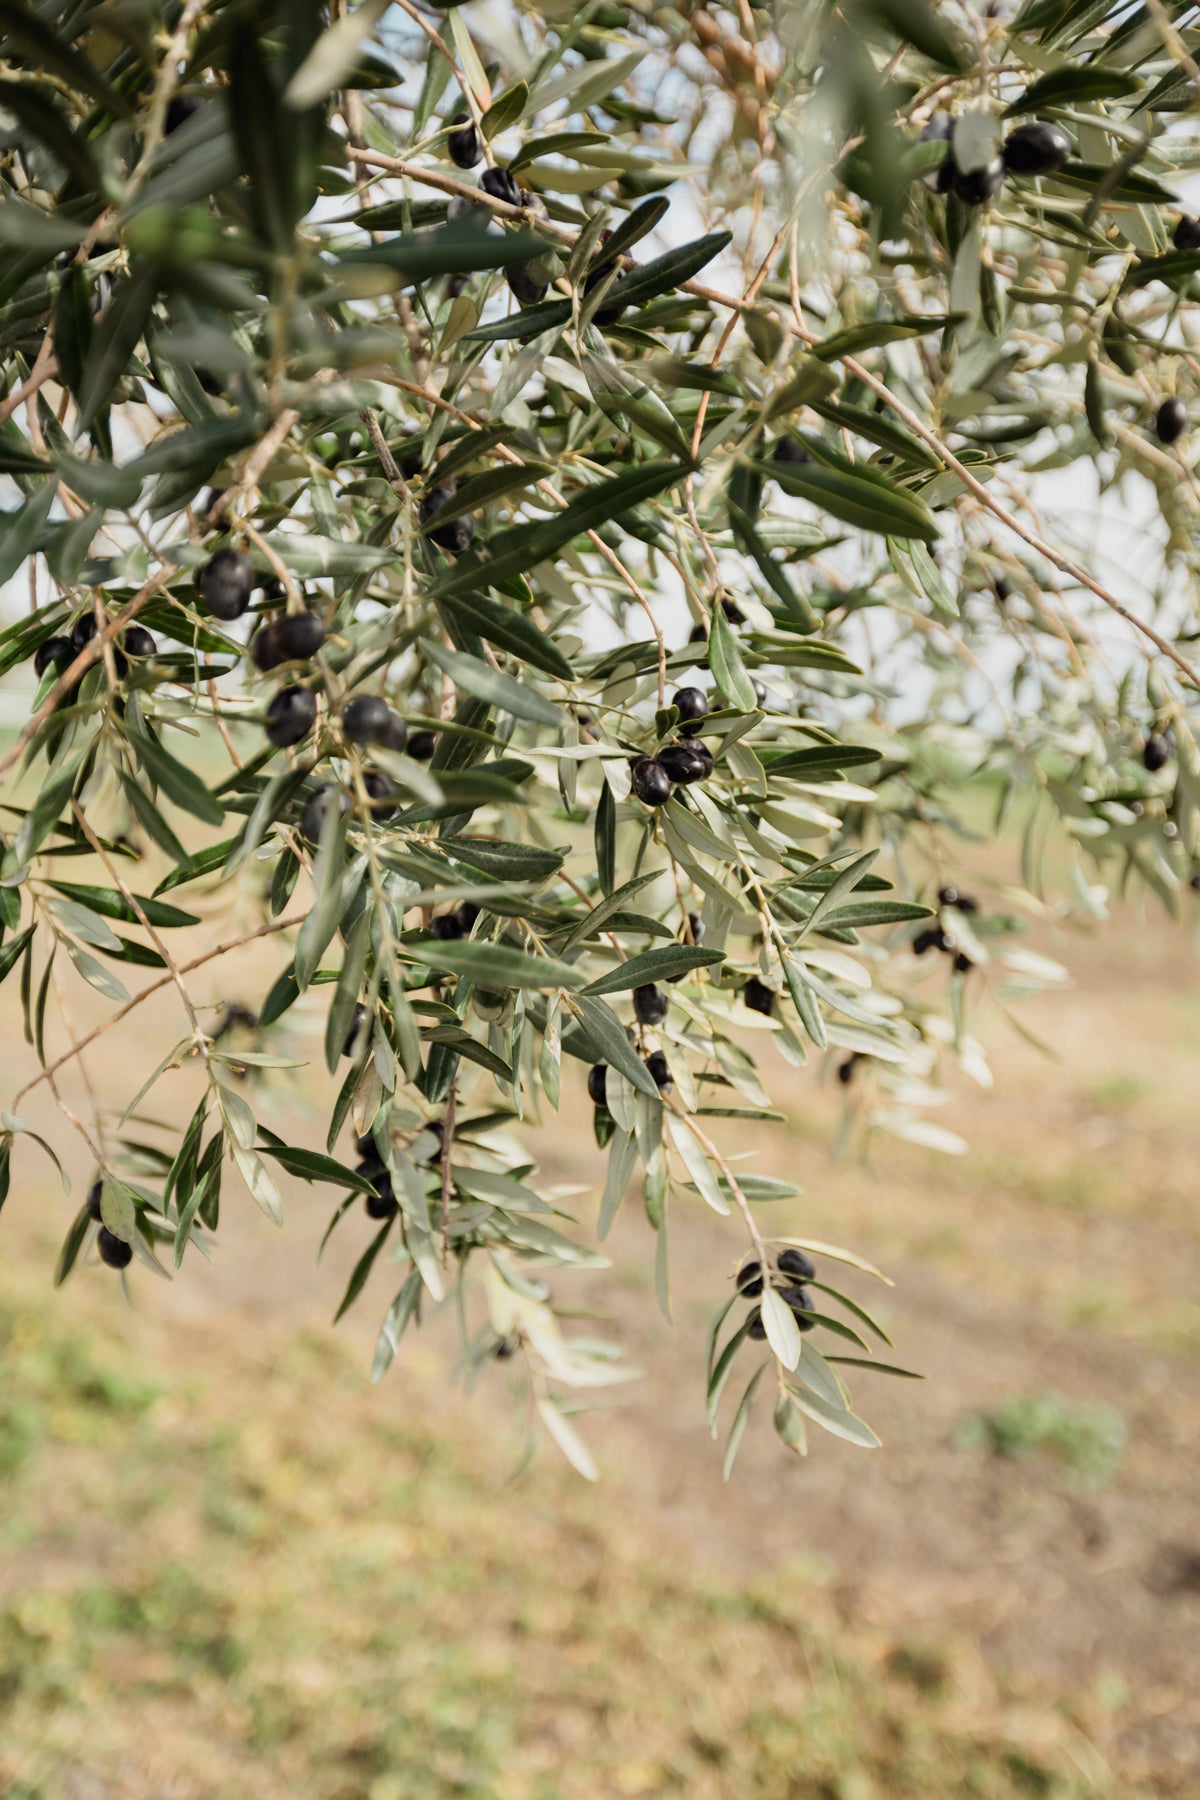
(1043, 1608)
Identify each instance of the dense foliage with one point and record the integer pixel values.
(527, 515)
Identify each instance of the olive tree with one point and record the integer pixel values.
(530, 515)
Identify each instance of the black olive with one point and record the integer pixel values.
(975, 186)
(657, 1065)
(758, 996)
(421, 745)
(93, 1199)
(381, 1204)
(290, 716)
(684, 762)
(365, 719)
(315, 808)
(650, 1004)
(265, 653)
(356, 1025)
(526, 291)
(650, 782)
(750, 1278)
(381, 793)
(612, 306)
(54, 651)
(794, 1262)
(1187, 233)
(446, 927)
(226, 583)
(790, 450)
(597, 1083)
(299, 635)
(1156, 753)
(113, 1250)
(464, 145)
(501, 186)
(137, 641)
(83, 631)
(1036, 149)
(691, 703)
(800, 1301)
(455, 534)
(1170, 421)
(180, 108)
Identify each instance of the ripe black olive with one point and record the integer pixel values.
(597, 1083)
(455, 534)
(790, 450)
(464, 146)
(501, 186)
(758, 996)
(1187, 233)
(526, 291)
(650, 1004)
(1156, 753)
(800, 1301)
(381, 1204)
(298, 635)
(93, 1199)
(265, 653)
(975, 186)
(83, 631)
(421, 745)
(1170, 421)
(685, 763)
(365, 719)
(650, 782)
(356, 1025)
(290, 716)
(54, 651)
(1036, 149)
(612, 306)
(750, 1278)
(113, 1250)
(446, 927)
(137, 641)
(794, 1262)
(691, 703)
(756, 1330)
(315, 808)
(381, 793)
(180, 108)
(657, 1065)
(226, 583)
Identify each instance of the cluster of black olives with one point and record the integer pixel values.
(225, 583)
(796, 1267)
(115, 1253)
(936, 938)
(455, 924)
(677, 764)
(57, 652)
(1035, 149)
(650, 1007)
(382, 1204)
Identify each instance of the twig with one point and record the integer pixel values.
(154, 987)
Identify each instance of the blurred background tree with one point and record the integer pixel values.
(531, 514)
